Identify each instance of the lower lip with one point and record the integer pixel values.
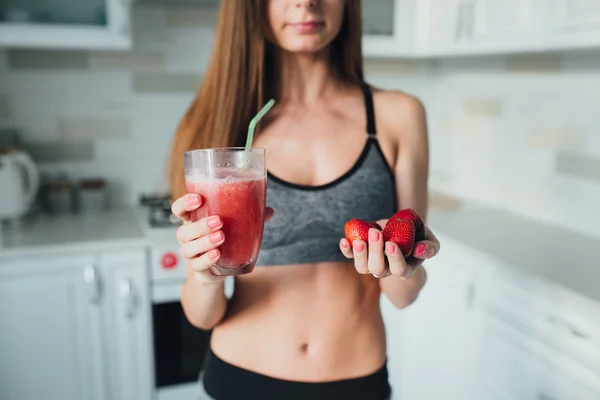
(309, 27)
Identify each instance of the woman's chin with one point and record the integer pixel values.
(305, 46)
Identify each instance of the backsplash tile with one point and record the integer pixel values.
(46, 59)
(3, 60)
(578, 165)
(60, 150)
(132, 61)
(5, 110)
(391, 67)
(524, 197)
(483, 107)
(440, 175)
(534, 63)
(550, 137)
(462, 125)
(189, 16)
(92, 128)
(144, 82)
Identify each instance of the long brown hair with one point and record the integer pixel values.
(235, 85)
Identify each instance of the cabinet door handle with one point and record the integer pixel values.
(574, 331)
(470, 294)
(128, 295)
(90, 276)
(459, 21)
(471, 19)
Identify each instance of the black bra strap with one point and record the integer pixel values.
(371, 129)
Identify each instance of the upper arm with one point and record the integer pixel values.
(411, 167)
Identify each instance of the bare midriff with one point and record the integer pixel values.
(309, 323)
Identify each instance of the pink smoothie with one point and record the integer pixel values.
(238, 197)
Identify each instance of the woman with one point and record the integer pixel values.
(306, 323)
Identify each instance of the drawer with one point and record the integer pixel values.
(550, 314)
(520, 368)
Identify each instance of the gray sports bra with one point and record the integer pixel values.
(309, 220)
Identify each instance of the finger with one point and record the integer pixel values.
(269, 212)
(183, 205)
(432, 238)
(198, 229)
(425, 249)
(202, 245)
(359, 249)
(202, 267)
(376, 260)
(346, 248)
(396, 260)
(206, 260)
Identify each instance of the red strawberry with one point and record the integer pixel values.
(402, 232)
(408, 213)
(356, 229)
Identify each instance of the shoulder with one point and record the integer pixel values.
(400, 115)
(397, 108)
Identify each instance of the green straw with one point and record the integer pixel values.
(254, 122)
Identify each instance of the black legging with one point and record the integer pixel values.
(223, 381)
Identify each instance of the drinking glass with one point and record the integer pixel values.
(233, 184)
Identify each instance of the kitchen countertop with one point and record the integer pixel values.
(555, 254)
(43, 234)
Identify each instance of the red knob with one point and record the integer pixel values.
(169, 260)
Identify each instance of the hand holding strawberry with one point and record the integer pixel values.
(406, 238)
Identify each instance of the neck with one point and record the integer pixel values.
(304, 78)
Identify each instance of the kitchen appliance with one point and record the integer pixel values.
(179, 347)
(92, 195)
(19, 183)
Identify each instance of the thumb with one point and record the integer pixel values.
(269, 212)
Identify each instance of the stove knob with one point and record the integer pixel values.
(169, 260)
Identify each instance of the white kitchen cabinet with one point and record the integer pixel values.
(455, 27)
(75, 328)
(439, 28)
(517, 366)
(572, 24)
(440, 332)
(128, 325)
(51, 330)
(504, 25)
(65, 24)
(387, 28)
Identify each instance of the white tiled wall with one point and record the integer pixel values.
(520, 132)
(521, 137)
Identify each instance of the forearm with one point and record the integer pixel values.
(204, 304)
(403, 292)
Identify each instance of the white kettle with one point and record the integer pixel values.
(19, 183)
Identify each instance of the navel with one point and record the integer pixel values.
(304, 348)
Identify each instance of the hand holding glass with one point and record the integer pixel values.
(233, 183)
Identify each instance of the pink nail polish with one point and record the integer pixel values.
(344, 244)
(374, 235)
(193, 200)
(359, 246)
(390, 249)
(420, 250)
(216, 237)
(213, 254)
(214, 222)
